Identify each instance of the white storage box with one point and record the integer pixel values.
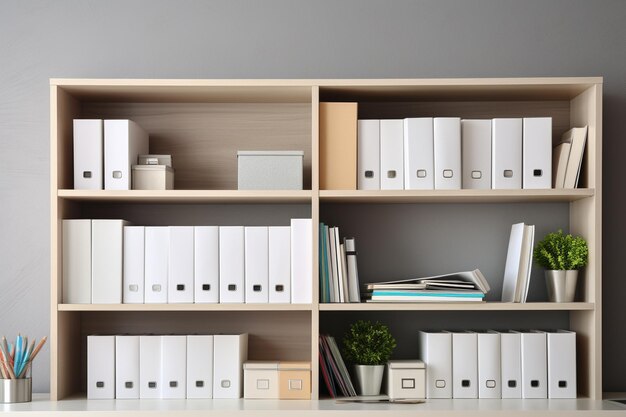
(406, 379)
(269, 170)
(153, 177)
(260, 380)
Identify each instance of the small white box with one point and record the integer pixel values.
(153, 177)
(406, 379)
(260, 380)
(269, 170)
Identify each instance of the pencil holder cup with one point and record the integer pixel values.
(16, 390)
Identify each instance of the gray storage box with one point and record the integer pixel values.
(269, 170)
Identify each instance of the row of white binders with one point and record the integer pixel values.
(508, 364)
(111, 262)
(198, 366)
(448, 153)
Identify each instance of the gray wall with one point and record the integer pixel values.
(285, 39)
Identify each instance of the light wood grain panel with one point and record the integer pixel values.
(588, 369)
(315, 215)
(185, 307)
(66, 379)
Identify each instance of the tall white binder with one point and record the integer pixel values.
(534, 364)
(107, 250)
(489, 371)
(100, 367)
(279, 265)
(88, 154)
(206, 264)
(199, 367)
(77, 261)
(537, 152)
(150, 367)
(464, 365)
(368, 154)
(476, 153)
(174, 367)
(511, 363)
(391, 154)
(157, 247)
(229, 354)
(418, 154)
(124, 140)
(126, 367)
(231, 264)
(256, 264)
(447, 152)
(133, 277)
(506, 154)
(561, 364)
(180, 279)
(436, 352)
(301, 261)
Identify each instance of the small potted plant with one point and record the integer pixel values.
(562, 256)
(368, 346)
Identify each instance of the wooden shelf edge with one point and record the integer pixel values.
(185, 307)
(485, 306)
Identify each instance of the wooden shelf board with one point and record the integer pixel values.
(185, 307)
(459, 306)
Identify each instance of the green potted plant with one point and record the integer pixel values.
(368, 346)
(562, 256)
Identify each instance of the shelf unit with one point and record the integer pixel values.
(203, 122)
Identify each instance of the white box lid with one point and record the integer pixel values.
(406, 364)
(270, 153)
(261, 365)
(152, 168)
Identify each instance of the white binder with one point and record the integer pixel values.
(511, 363)
(77, 261)
(279, 265)
(534, 364)
(464, 365)
(301, 261)
(537, 152)
(150, 367)
(489, 372)
(157, 247)
(100, 367)
(476, 154)
(180, 279)
(229, 354)
(174, 367)
(436, 352)
(231, 264)
(199, 367)
(506, 159)
(561, 364)
(107, 251)
(206, 264)
(418, 154)
(134, 239)
(124, 140)
(88, 154)
(256, 264)
(392, 154)
(368, 154)
(126, 367)
(447, 152)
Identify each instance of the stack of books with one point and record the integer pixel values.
(333, 369)
(339, 275)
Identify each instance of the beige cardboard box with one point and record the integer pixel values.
(294, 380)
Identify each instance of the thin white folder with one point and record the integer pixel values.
(464, 365)
(489, 365)
(391, 154)
(134, 264)
(301, 261)
(206, 264)
(537, 153)
(511, 363)
(447, 152)
(436, 352)
(100, 367)
(77, 261)
(199, 366)
(561, 364)
(506, 154)
(174, 367)
(126, 367)
(511, 284)
(157, 247)
(418, 154)
(180, 278)
(368, 154)
(279, 265)
(256, 264)
(88, 154)
(124, 140)
(229, 354)
(476, 153)
(534, 364)
(150, 367)
(232, 264)
(107, 251)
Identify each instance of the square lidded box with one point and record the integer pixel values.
(406, 379)
(269, 170)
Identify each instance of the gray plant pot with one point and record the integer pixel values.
(369, 378)
(561, 285)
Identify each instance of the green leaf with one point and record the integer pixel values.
(368, 343)
(558, 251)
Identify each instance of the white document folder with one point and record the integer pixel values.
(126, 367)
(88, 154)
(464, 365)
(489, 372)
(534, 364)
(100, 367)
(447, 152)
(180, 279)
(418, 154)
(199, 367)
(256, 264)
(279, 265)
(368, 154)
(436, 352)
(476, 152)
(511, 363)
(77, 261)
(157, 247)
(174, 367)
(561, 364)
(301, 261)
(392, 154)
(229, 354)
(232, 264)
(506, 154)
(124, 140)
(107, 251)
(150, 367)
(134, 263)
(537, 152)
(206, 264)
